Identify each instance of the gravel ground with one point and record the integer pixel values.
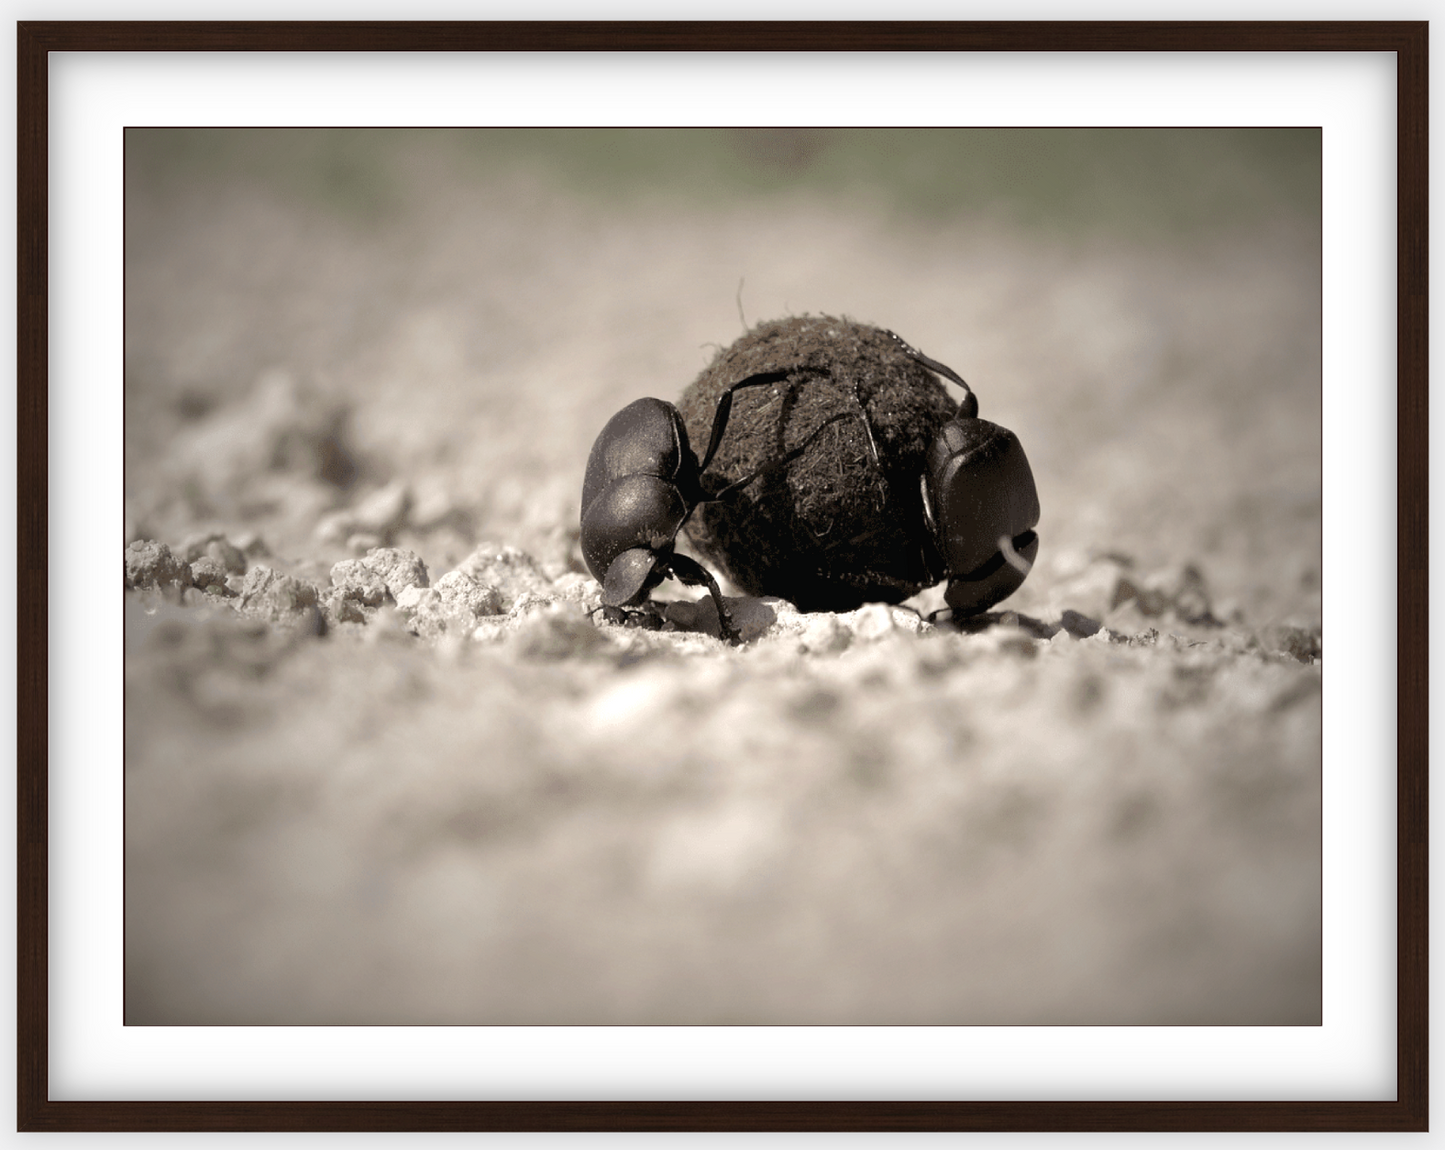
(384, 764)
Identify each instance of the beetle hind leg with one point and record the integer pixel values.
(693, 574)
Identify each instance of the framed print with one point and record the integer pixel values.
(722, 576)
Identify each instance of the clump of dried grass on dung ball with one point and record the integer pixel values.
(833, 529)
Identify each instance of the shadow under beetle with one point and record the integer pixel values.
(643, 480)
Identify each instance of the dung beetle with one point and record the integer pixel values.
(979, 502)
(642, 482)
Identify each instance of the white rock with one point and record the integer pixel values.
(874, 621)
(398, 568)
(824, 635)
(151, 564)
(356, 580)
(512, 572)
(279, 598)
(461, 593)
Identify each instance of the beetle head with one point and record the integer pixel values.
(632, 575)
(984, 506)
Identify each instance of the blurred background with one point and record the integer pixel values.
(340, 337)
(468, 308)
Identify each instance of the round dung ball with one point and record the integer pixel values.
(842, 523)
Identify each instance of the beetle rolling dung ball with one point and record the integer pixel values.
(904, 488)
(868, 482)
(641, 483)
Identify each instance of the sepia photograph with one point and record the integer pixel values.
(723, 577)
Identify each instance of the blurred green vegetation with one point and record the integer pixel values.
(1119, 180)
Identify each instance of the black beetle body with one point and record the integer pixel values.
(979, 502)
(642, 482)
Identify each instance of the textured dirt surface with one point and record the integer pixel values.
(384, 765)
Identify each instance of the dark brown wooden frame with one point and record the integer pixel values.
(1409, 41)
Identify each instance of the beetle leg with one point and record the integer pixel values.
(968, 409)
(725, 405)
(777, 464)
(694, 574)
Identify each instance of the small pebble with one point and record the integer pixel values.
(209, 575)
(279, 598)
(1080, 626)
(398, 568)
(151, 564)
